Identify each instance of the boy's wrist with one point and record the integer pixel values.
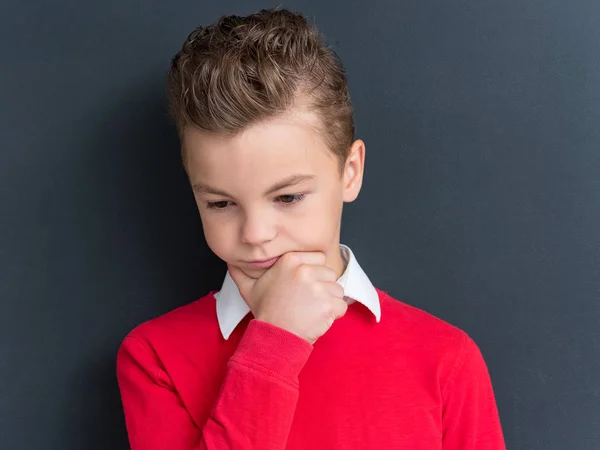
(273, 350)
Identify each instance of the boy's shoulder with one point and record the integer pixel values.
(409, 326)
(192, 321)
(414, 319)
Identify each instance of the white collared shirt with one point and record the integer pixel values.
(231, 307)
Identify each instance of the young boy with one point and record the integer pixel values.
(298, 349)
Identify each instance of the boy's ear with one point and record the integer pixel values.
(353, 171)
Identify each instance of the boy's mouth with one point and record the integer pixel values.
(263, 264)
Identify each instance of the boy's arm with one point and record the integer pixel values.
(254, 408)
(470, 416)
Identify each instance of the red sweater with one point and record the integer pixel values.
(411, 381)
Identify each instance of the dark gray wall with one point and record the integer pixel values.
(480, 205)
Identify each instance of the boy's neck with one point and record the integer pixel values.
(336, 261)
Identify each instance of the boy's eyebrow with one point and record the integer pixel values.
(286, 182)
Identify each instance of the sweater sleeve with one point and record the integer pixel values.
(470, 417)
(254, 408)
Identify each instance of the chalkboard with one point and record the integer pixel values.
(480, 202)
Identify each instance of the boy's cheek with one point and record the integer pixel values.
(219, 246)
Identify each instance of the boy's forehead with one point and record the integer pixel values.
(269, 150)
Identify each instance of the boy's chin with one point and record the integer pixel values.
(256, 273)
(253, 273)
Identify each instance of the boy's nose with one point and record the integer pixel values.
(257, 229)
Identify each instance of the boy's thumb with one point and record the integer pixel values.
(243, 282)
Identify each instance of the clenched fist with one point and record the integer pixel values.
(298, 293)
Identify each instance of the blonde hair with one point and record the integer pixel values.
(242, 70)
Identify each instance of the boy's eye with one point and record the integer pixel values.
(290, 199)
(286, 200)
(217, 205)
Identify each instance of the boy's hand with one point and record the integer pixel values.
(298, 293)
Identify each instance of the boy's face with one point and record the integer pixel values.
(272, 189)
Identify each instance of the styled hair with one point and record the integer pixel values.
(242, 70)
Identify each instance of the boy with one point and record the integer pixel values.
(297, 349)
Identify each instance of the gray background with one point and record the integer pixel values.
(480, 203)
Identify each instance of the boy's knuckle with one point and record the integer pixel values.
(327, 309)
(290, 258)
(303, 272)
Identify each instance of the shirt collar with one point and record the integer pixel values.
(231, 307)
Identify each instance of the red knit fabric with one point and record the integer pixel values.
(411, 381)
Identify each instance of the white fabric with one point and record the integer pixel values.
(231, 307)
